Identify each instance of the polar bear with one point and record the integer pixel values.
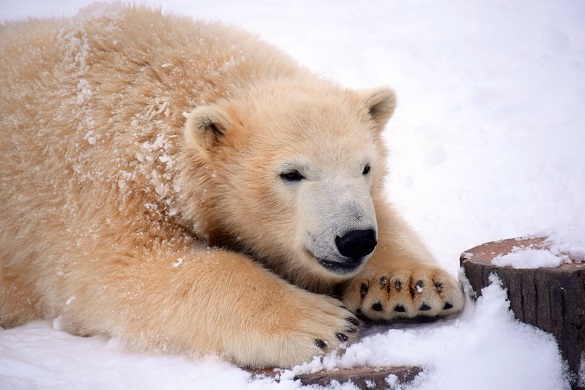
(187, 188)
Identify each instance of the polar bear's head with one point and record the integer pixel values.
(289, 176)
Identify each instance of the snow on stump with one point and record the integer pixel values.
(369, 378)
(550, 296)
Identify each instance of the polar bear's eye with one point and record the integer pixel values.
(366, 169)
(291, 176)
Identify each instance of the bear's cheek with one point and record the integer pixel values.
(266, 211)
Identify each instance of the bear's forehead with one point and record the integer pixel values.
(305, 103)
(321, 136)
(309, 118)
(315, 148)
(325, 126)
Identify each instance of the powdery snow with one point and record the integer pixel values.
(487, 143)
(472, 351)
(457, 351)
(528, 258)
(564, 245)
(567, 242)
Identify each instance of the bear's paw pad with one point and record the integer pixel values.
(427, 292)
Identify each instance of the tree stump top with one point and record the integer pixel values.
(485, 253)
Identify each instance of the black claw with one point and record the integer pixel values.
(398, 285)
(399, 309)
(383, 281)
(351, 330)
(353, 321)
(341, 337)
(424, 307)
(364, 290)
(447, 306)
(320, 343)
(358, 311)
(377, 307)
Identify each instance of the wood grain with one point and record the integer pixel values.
(364, 378)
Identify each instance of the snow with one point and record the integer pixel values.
(528, 258)
(484, 348)
(567, 241)
(487, 143)
(454, 351)
(563, 245)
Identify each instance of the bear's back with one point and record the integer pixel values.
(93, 109)
(100, 94)
(117, 50)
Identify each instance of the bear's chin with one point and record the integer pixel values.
(339, 268)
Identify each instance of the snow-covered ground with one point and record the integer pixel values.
(488, 142)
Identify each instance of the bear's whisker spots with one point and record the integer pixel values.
(377, 307)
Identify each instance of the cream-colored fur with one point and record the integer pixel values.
(184, 187)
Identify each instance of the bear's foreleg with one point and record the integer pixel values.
(401, 279)
(208, 302)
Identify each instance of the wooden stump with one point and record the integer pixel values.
(553, 299)
(369, 378)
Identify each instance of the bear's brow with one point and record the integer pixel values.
(294, 165)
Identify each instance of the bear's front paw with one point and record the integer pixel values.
(420, 291)
(324, 325)
(308, 325)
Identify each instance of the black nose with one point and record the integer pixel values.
(356, 244)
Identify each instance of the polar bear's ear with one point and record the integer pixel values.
(206, 126)
(381, 103)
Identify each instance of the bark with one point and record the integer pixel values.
(363, 378)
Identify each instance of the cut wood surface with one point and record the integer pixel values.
(553, 299)
(364, 378)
